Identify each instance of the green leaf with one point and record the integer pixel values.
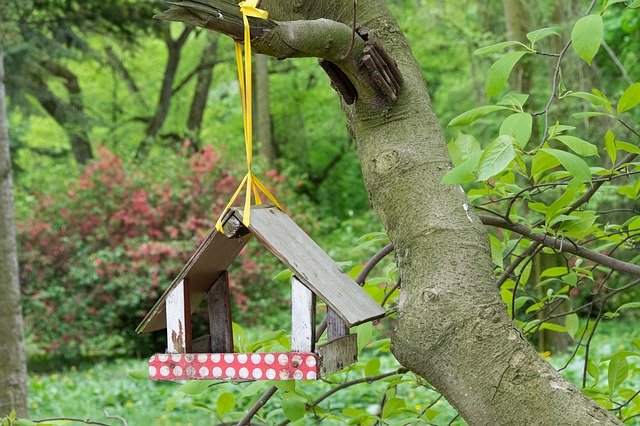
(500, 71)
(589, 114)
(572, 323)
(579, 146)
(572, 163)
(553, 327)
(519, 126)
(498, 47)
(630, 98)
(225, 403)
(593, 371)
(372, 367)
(634, 4)
(578, 228)
(462, 147)
(195, 387)
(513, 99)
(537, 35)
(611, 3)
(563, 201)
(618, 372)
(586, 36)
(496, 251)
(474, 114)
(541, 163)
(293, 407)
(626, 146)
(557, 271)
(594, 99)
(283, 276)
(630, 305)
(610, 146)
(392, 406)
(465, 172)
(139, 374)
(496, 157)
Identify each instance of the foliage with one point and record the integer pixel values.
(565, 178)
(94, 259)
(120, 388)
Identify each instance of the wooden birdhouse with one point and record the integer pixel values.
(205, 277)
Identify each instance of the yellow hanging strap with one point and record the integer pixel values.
(254, 185)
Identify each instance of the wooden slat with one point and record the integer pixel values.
(312, 265)
(336, 328)
(219, 308)
(303, 317)
(338, 354)
(211, 258)
(178, 320)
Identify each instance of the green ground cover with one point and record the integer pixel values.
(117, 391)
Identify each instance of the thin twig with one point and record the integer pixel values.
(617, 61)
(71, 419)
(368, 379)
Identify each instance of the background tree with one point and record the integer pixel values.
(13, 373)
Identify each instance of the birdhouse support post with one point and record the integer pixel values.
(219, 309)
(303, 317)
(178, 314)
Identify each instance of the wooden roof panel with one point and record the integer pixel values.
(212, 257)
(280, 234)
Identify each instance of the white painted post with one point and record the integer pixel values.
(303, 315)
(178, 312)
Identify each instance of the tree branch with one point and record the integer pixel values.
(561, 245)
(362, 61)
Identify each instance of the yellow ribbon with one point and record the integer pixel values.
(254, 185)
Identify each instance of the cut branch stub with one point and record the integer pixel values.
(375, 68)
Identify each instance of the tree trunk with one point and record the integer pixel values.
(262, 111)
(13, 369)
(201, 91)
(452, 326)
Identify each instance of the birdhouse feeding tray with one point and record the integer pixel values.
(205, 277)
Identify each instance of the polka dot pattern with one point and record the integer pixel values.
(231, 366)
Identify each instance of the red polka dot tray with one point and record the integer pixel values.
(235, 366)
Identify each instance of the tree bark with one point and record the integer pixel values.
(262, 110)
(201, 91)
(452, 327)
(71, 116)
(13, 369)
(174, 49)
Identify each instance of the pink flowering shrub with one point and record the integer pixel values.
(95, 259)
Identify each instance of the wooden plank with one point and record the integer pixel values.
(312, 265)
(336, 328)
(219, 308)
(303, 317)
(338, 354)
(212, 257)
(232, 366)
(178, 320)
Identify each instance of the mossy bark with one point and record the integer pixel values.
(452, 326)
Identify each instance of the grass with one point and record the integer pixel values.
(118, 392)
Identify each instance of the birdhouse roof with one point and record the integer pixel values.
(282, 237)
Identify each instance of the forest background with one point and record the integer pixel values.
(126, 142)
